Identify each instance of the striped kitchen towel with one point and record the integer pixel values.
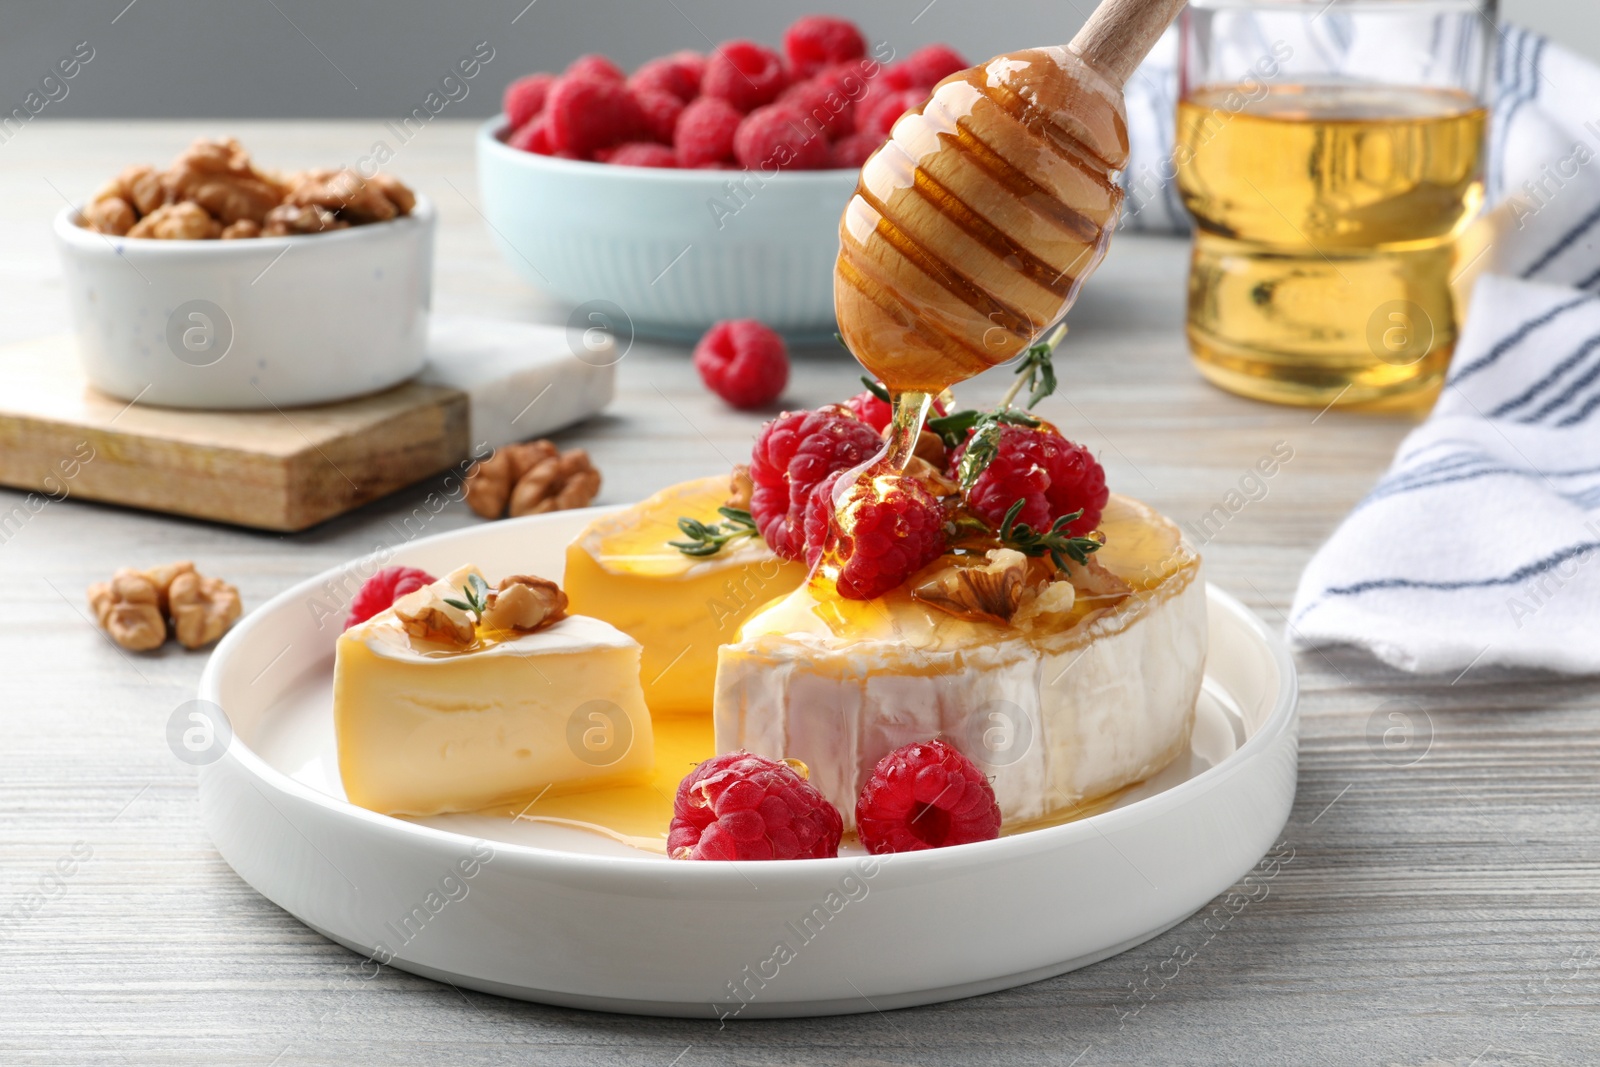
(1481, 543)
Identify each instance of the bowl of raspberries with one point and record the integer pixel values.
(698, 187)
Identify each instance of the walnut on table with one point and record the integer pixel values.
(128, 608)
(134, 607)
(531, 478)
(202, 608)
(568, 481)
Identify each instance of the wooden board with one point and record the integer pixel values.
(274, 470)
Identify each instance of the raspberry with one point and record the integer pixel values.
(586, 114)
(638, 154)
(746, 807)
(820, 107)
(743, 362)
(594, 66)
(678, 74)
(876, 116)
(383, 589)
(815, 41)
(776, 138)
(744, 74)
(877, 413)
(1054, 477)
(705, 131)
(661, 111)
(850, 153)
(854, 79)
(525, 98)
(896, 77)
(925, 795)
(533, 136)
(927, 67)
(890, 527)
(792, 454)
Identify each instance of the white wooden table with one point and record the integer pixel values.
(1445, 912)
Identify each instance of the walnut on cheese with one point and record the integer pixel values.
(525, 603)
(991, 591)
(134, 606)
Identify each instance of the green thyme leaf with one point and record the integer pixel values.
(876, 389)
(1054, 542)
(707, 539)
(982, 447)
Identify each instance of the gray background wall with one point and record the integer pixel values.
(366, 58)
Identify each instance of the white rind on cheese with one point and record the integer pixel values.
(1052, 722)
(424, 731)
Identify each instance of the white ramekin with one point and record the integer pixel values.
(674, 250)
(262, 323)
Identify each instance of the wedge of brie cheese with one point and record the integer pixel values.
(1077, 697)
(426, 727)
(680, 608)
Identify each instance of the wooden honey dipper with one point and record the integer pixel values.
(973, 227)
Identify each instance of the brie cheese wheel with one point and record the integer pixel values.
(1055, 709)
(680, 608)
(424, 728)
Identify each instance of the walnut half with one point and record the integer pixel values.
(135, 605)
(202, 608)
(990, 592)
(531, 478)
(525, 603)
(128, 608)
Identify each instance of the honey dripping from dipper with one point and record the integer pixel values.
(972, 229)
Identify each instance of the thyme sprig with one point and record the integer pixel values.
(876, 388)
(984, 444)
(476, 594)
(1036, 371)
(707, 539)
(1054, 542)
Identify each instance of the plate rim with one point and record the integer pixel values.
(1278, 721)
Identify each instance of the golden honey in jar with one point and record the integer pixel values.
(1327, 214)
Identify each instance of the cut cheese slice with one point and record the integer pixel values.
(1056, 710)
(679, 608)
(423, 729)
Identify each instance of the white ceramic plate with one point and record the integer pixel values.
(567, 917)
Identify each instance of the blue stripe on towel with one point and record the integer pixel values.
(1584, 226)
(1385, 490)
(1524, 87)
(1571, 393)
(1547, 381)
(1516, 577)
(1582, 414)
(1515, 337)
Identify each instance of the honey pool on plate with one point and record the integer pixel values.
(1326, 221)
